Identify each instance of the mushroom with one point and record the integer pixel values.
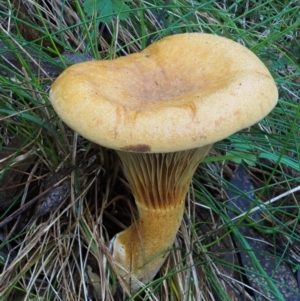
(161, 110)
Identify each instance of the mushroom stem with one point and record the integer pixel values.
(159, 183)
(141, 249)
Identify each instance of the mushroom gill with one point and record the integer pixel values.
(159, 183)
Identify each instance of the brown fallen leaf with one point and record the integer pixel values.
(56, 196)
(29, 30)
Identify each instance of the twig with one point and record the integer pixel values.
(264, 205)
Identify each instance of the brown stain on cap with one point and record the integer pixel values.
(139, 148)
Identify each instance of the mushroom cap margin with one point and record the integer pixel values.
(182, 92)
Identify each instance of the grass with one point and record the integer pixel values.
(60, 253)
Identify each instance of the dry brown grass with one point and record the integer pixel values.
(63, 198)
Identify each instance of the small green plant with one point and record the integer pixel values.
(107, 9)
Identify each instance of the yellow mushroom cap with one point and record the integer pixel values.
(182, 92)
